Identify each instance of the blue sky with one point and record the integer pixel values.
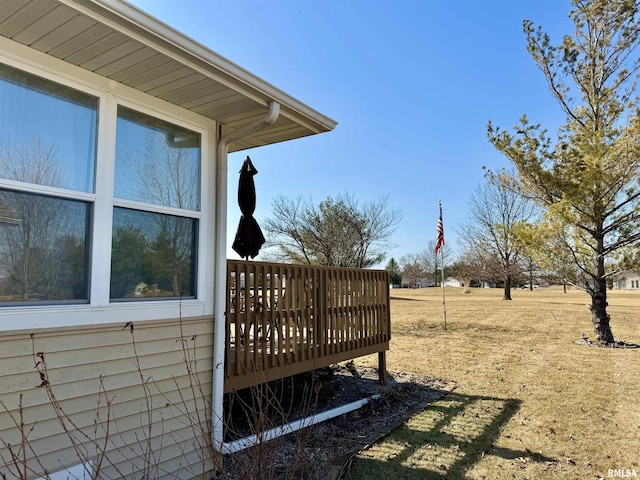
(412, 84)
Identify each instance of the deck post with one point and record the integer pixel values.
(382, 367)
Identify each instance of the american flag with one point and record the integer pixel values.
(440, 230)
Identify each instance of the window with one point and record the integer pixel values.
(156, 162)
(43, 247)
(55, 211)
(47, 132)
(47, 165)
(155, 226)
(153, 255)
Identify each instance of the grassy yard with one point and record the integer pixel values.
(530, 403)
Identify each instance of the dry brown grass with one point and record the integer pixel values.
(530, 402)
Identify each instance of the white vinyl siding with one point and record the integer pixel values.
(75, 360)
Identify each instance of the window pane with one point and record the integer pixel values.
(156, 162)
(43, 248)
(47, 132)
(153, 255)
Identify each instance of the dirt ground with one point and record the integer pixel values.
(322, 450)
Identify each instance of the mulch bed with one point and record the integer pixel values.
(321, 451)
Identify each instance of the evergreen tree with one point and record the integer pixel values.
(395, 276)
(587, 178)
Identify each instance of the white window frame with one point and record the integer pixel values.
(100, 310)
(144, 207)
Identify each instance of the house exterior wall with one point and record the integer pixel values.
(87, 340)
(145, 377)
(422, 282)
(98, 308)
(628, 281)
(63, 51)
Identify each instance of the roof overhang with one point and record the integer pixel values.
(118, 41)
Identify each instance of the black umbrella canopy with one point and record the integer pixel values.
(249, 238)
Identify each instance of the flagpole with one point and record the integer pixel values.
(439, 245)
(444, 299)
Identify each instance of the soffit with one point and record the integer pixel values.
(119, 42)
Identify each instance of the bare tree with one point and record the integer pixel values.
(36, 245)
(339, 232)
(163, 175)
(495, 213)
(471, 267)
(412, 266)
(432, 260)
(530, 268)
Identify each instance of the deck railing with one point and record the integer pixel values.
(287, 319)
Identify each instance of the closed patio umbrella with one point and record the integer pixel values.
(249, 238)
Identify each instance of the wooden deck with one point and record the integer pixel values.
(283, 319)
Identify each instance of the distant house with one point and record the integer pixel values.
(453, 282)
(420, 282)
(428, 281)
(627, 281)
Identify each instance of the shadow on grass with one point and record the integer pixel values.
(404, 299)
(444, 441)
(337, 440)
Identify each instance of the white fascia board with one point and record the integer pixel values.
(165, 39)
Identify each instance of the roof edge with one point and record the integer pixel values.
(164, 35)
